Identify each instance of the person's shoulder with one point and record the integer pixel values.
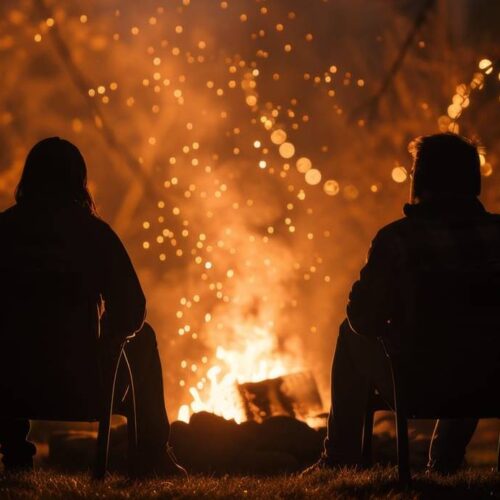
(104, 232)
(493, 218)
(393, 230)
(104, 239)
(490, 224)
(99, 223)
(100, 226)
(9, 213)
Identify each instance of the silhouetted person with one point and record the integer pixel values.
(446, 233)
(62, 271)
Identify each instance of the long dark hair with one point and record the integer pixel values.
(54, 173)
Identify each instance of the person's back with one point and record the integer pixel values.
(46, 301)
(445, 299)
(57, 264)
(67, 285)
(52, 239)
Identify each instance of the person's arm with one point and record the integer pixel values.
(372, 298)
(124, 301)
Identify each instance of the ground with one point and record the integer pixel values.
(478, 481)
(376, 483)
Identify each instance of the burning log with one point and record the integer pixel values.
(295, 395)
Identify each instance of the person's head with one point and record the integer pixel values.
(444, 166)
(54, 173)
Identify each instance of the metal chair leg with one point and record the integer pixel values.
(498, 454)
(366, 449)
(401, 423)
(131, 419)
(403, 448)
(101, 462)
(102, 452)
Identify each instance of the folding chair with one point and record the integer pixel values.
(98, 403)
(108, 388)
(69, 371)
(404, 411)
(450, 347)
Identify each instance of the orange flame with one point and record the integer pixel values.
(256, 359)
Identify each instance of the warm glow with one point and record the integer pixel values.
(303, 165)
(184, 413)
(256, 357)
(399, 174)
(313, 176)
(486, 65)
(251, 100)
(287, 150)
(278, 136)
(331, 187)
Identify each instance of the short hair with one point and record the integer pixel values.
(445, 164)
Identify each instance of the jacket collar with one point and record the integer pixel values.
(445, 208)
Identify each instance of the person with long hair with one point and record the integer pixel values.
(63, 271)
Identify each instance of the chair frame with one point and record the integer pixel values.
(109, 371)
(401, 420)
(104, 431)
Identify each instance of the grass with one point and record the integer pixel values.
(376, 483)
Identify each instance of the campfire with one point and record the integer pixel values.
(253, 383)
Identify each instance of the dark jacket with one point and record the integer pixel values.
(431, 289)
(45, 250)
(61, 269)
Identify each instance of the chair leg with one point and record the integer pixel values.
(131, 419)
(366, 449)
(109, 383)
(498, 455)
(101, 462)
(403, 449)
(132, 456)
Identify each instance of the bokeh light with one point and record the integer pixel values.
(331, 187)
(313, 176)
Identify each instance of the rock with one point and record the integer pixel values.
(210, 444)
(291, 436)
(207, 444)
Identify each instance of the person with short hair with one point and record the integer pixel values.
(446, 233)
